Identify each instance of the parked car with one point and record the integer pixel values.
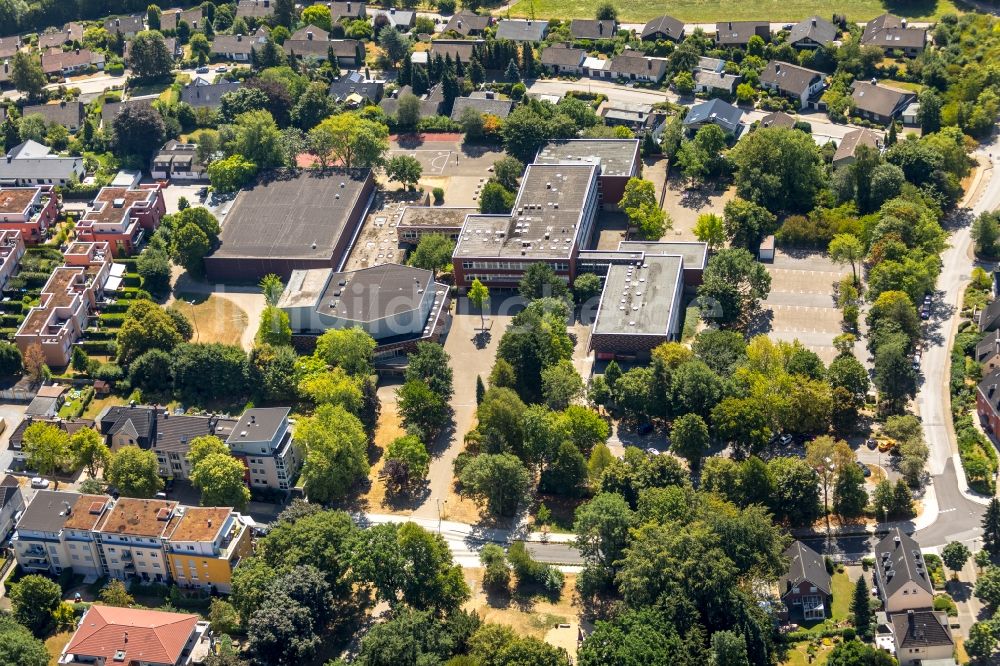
(785, 439)
(39, 482)
(925, 313)
(864, 468)
(885, 445)
(201, 70)
(871, 444)
(653, 451)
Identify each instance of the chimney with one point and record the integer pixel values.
(730, 25)
(777, 67)
(903, 23)
(309, 35)
(814, 21)
(600, 27)
(392, 10)
(126, 633)
(78, 51)
(897, 540)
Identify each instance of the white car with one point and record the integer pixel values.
(39, 482)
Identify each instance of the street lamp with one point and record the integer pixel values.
(439, 502)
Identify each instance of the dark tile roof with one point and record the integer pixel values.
(891, 32)
(71, 32)
(175, 432)
(255, 8)
(201, 94)
(465, 23)
(520, 30)
(789, 78)
(879, 99)
(69, 114)
(921, 629)
(633, 63)
(9, 490)
(350, 9)
(169, 18)
(592, 29)
(137, 421)
(458, 49)
(989, 318)
(664, 25)
(778, 119)
(988, 347)
(738, 33)
(804, 565)
(70, 426)
(124, 24)
(562, 56)
(989, 388)
(240, 43)
(898, 561)
(717, 111)
(259, 424)
(814, 28)
(852, 140)
(317, 48)
(355, 82)
(110, 110)
(47, 511)
(500, 108)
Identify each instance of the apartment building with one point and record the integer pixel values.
(204, 546)
(172, 440)
(11, 251)
(28, 210)
(56, 531)
(120, 217)
(31, 163)
(67, 299)
(262, 439)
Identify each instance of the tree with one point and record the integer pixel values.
(153, 266)
(333, 387)
(18, 646)
(222, 617)
(895, 377)
(981, 642)
(861, 608)
(351, 140)
(336, 452)
(114, 593)
(847, 249)
(991, 528)
(146, 326)
(746, 223)
(189, 246)
(987, 587)
(26, 74)
(689, 439)
(274, 328)
(479, 296)
(433, 252)
(139, 131)
(561, 385)
(149, 57)
(902, 500)
(708, 229)
(734, 283)
(319, 16)
(430, 363)
(778, 168)
(404, 169)
(202, 447)
(729, 649)
(540, 281)
(33, 599)
(408, 111)
(219, 477)
(849, 495)
(602, 529)
(46, 448)
(606, 12)
(499, 480)
(955, 555)
(281, 632)
(89, 450)
(985, 232)
(135, 472)
(566, 474)
(855, 653)
(495, 199)
(796, 493)
(507, 171)
(348, 348)
(406, 462)
(929, 113)
(229, 174)
(256, 137)
(395, 46)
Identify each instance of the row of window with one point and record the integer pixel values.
(509, 265)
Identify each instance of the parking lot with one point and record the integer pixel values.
(802, 305)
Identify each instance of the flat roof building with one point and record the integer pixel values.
(418, 221)
(617, 161)
(291, 220)
(29, 211)
(121, 216)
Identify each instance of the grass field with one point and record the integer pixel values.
(710, 11)
(214, 319)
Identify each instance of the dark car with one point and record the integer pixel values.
(864, 468)
(871, 444)
(645, 428)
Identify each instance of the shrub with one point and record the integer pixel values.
(438, 196)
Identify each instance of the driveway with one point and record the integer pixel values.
(12, 414)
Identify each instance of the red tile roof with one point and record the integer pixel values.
(152, 636)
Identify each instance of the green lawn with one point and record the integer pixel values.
(707, 11)
(843, 593)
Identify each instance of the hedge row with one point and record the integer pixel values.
(102, 336)
(9, 320)
(128, 262)
(99, 347)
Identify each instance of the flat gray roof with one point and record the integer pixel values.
(695, 254)
(259, 423)
(545, 220)
(435, 216)
(638, 298)
(294, 214)
(46, 512)
(616, 157)
(373, 293)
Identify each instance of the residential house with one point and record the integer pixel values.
(522, 30)
(561, 59)
(238, 47)
(806, 587)
(31, 163)
(901, 575)
(313, 42)
(110, 110)
(172, 439)
(484, 103)
(468, 24)
(11, 504)
(797, 83)
(593, 29)
(663, 28)
(456, 49)
(430, 103)
(879, 102)
(200, 93)
(257, 9)
(11, 251)
(204, 545)
(71, 33)
(988, 352)
(402, 20)
(848, 146)
(347, 11)
(890, 33)
(68, 114)
(126, 26)
(988, 402)
(637, 116)
(715, 83)
(597, 68)
(56, 532)
(738, 33)
(127, 425)
(355, 89)
(174, 47)
(262, 440)
(778, 119)
(121, 216)
(812, 33)
(715, 112)
(67, 299)
(921, 636)
(177, 161)
(635, 67)
(706, 64)
(989, 318)
(46, 403)
(134, 636)
(10, 45)
(69, 426)
(29, 211)
(171, 18)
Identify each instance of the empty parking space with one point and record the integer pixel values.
(802, 303)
